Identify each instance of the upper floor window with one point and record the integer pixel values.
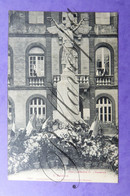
(102, 18)
(36, 17)
(103, 61)
(104, 108)
(36, 62)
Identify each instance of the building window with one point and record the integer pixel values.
(36, 17)
(10, 66)
(10, 112)
(104, 108)
(37, 106)
(9, 63)
(103, 61)
(102, 18)
(36, 62)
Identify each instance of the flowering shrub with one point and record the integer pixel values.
(77, 143)
(17, 163)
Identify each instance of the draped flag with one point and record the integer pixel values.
(31, 125)
(45, 123)
(94, 127)
(13, 127)
(12, 134)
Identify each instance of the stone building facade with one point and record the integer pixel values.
(35, 65)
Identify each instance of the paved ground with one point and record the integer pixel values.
(82, 175)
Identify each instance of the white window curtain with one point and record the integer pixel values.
(36, 62)
(103, 61)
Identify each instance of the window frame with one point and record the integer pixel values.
(108, 46)
(103, 61)
(35, 96)
(10, 76)
(113, 121)
(13, 109)
(33, 45)
(103, 115)
(35, 106)
(36, 56)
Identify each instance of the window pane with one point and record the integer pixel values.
(101, 117)
(105, 117)
(32, 66)
(105, 109)
(30, 110)
(39, 111)
(105, 100)
(43, 110)
(35, 101)
(39, 101)
(109, 109)
(35, 110)
(101, 110)
(40, 67)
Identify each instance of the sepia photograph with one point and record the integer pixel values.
(63, 96)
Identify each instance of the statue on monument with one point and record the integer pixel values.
(66, 31)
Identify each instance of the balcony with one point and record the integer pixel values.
(83, 80)
(36, 81)
(104, 80)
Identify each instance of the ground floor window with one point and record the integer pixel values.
(10, 112)
(37, 106)
(104, 108)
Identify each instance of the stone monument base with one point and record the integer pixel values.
(57, 115)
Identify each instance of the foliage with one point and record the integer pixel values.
(76, 143)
